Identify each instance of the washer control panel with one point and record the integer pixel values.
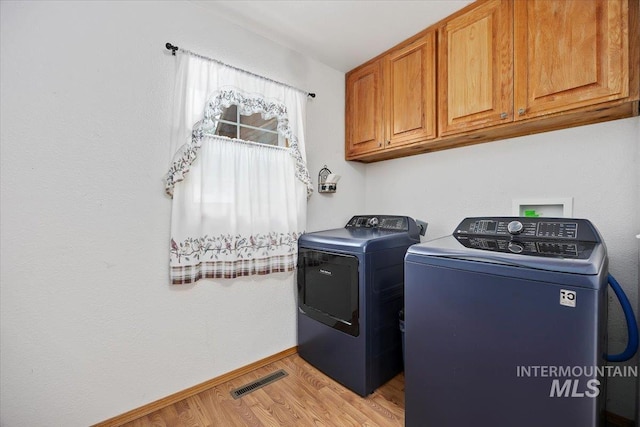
(524, 227)
(545, 248)
(550, 237)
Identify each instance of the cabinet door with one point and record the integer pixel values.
(363, 118)
(476, 68)
(569, 53)
(410, 98)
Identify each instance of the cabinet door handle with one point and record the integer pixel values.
(388, 142)
(503, 115)
(521, 111)
(379, 144)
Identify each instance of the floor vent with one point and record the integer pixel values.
(248, 388)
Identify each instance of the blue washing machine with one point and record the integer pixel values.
(350, 290)
(505, 325)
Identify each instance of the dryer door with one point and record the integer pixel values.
(328, 289)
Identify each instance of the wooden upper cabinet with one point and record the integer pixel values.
(569, 53)
(363, 120)
(500, 69)
(513, 60)
(475, 68)
(391, 101)
(410, 92)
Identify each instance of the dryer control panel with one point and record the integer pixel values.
(382, 222)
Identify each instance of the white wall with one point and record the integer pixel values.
(331, 210)
(597, 165)
(90, 326)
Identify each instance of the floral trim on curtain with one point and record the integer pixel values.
(228, 257)
(247, 105)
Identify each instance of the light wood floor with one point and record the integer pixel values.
(306, 397)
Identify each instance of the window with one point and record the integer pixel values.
(255, 128)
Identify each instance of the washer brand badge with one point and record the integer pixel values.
(567, 298)
(327, 272)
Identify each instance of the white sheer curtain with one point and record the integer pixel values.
(238, 207)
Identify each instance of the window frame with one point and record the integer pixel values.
(282, 140)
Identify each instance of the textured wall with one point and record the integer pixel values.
(90, 326)
(597, 165)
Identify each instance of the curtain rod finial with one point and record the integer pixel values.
(172, 48)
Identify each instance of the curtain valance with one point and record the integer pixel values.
(204, 86)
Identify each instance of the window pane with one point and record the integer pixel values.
(256, 135)
(257, 121)
(230, 114)
(226, 129)
(265, 131)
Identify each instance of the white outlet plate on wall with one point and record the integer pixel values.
(560, 207)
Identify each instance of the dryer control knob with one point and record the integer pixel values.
(515, 227)
(373, 222)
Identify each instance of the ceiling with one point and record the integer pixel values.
(339, 33)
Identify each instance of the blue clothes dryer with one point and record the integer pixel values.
(350, 290)
(505, 325)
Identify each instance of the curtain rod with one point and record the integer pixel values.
(173, 50)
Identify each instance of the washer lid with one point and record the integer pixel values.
(575, 256)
